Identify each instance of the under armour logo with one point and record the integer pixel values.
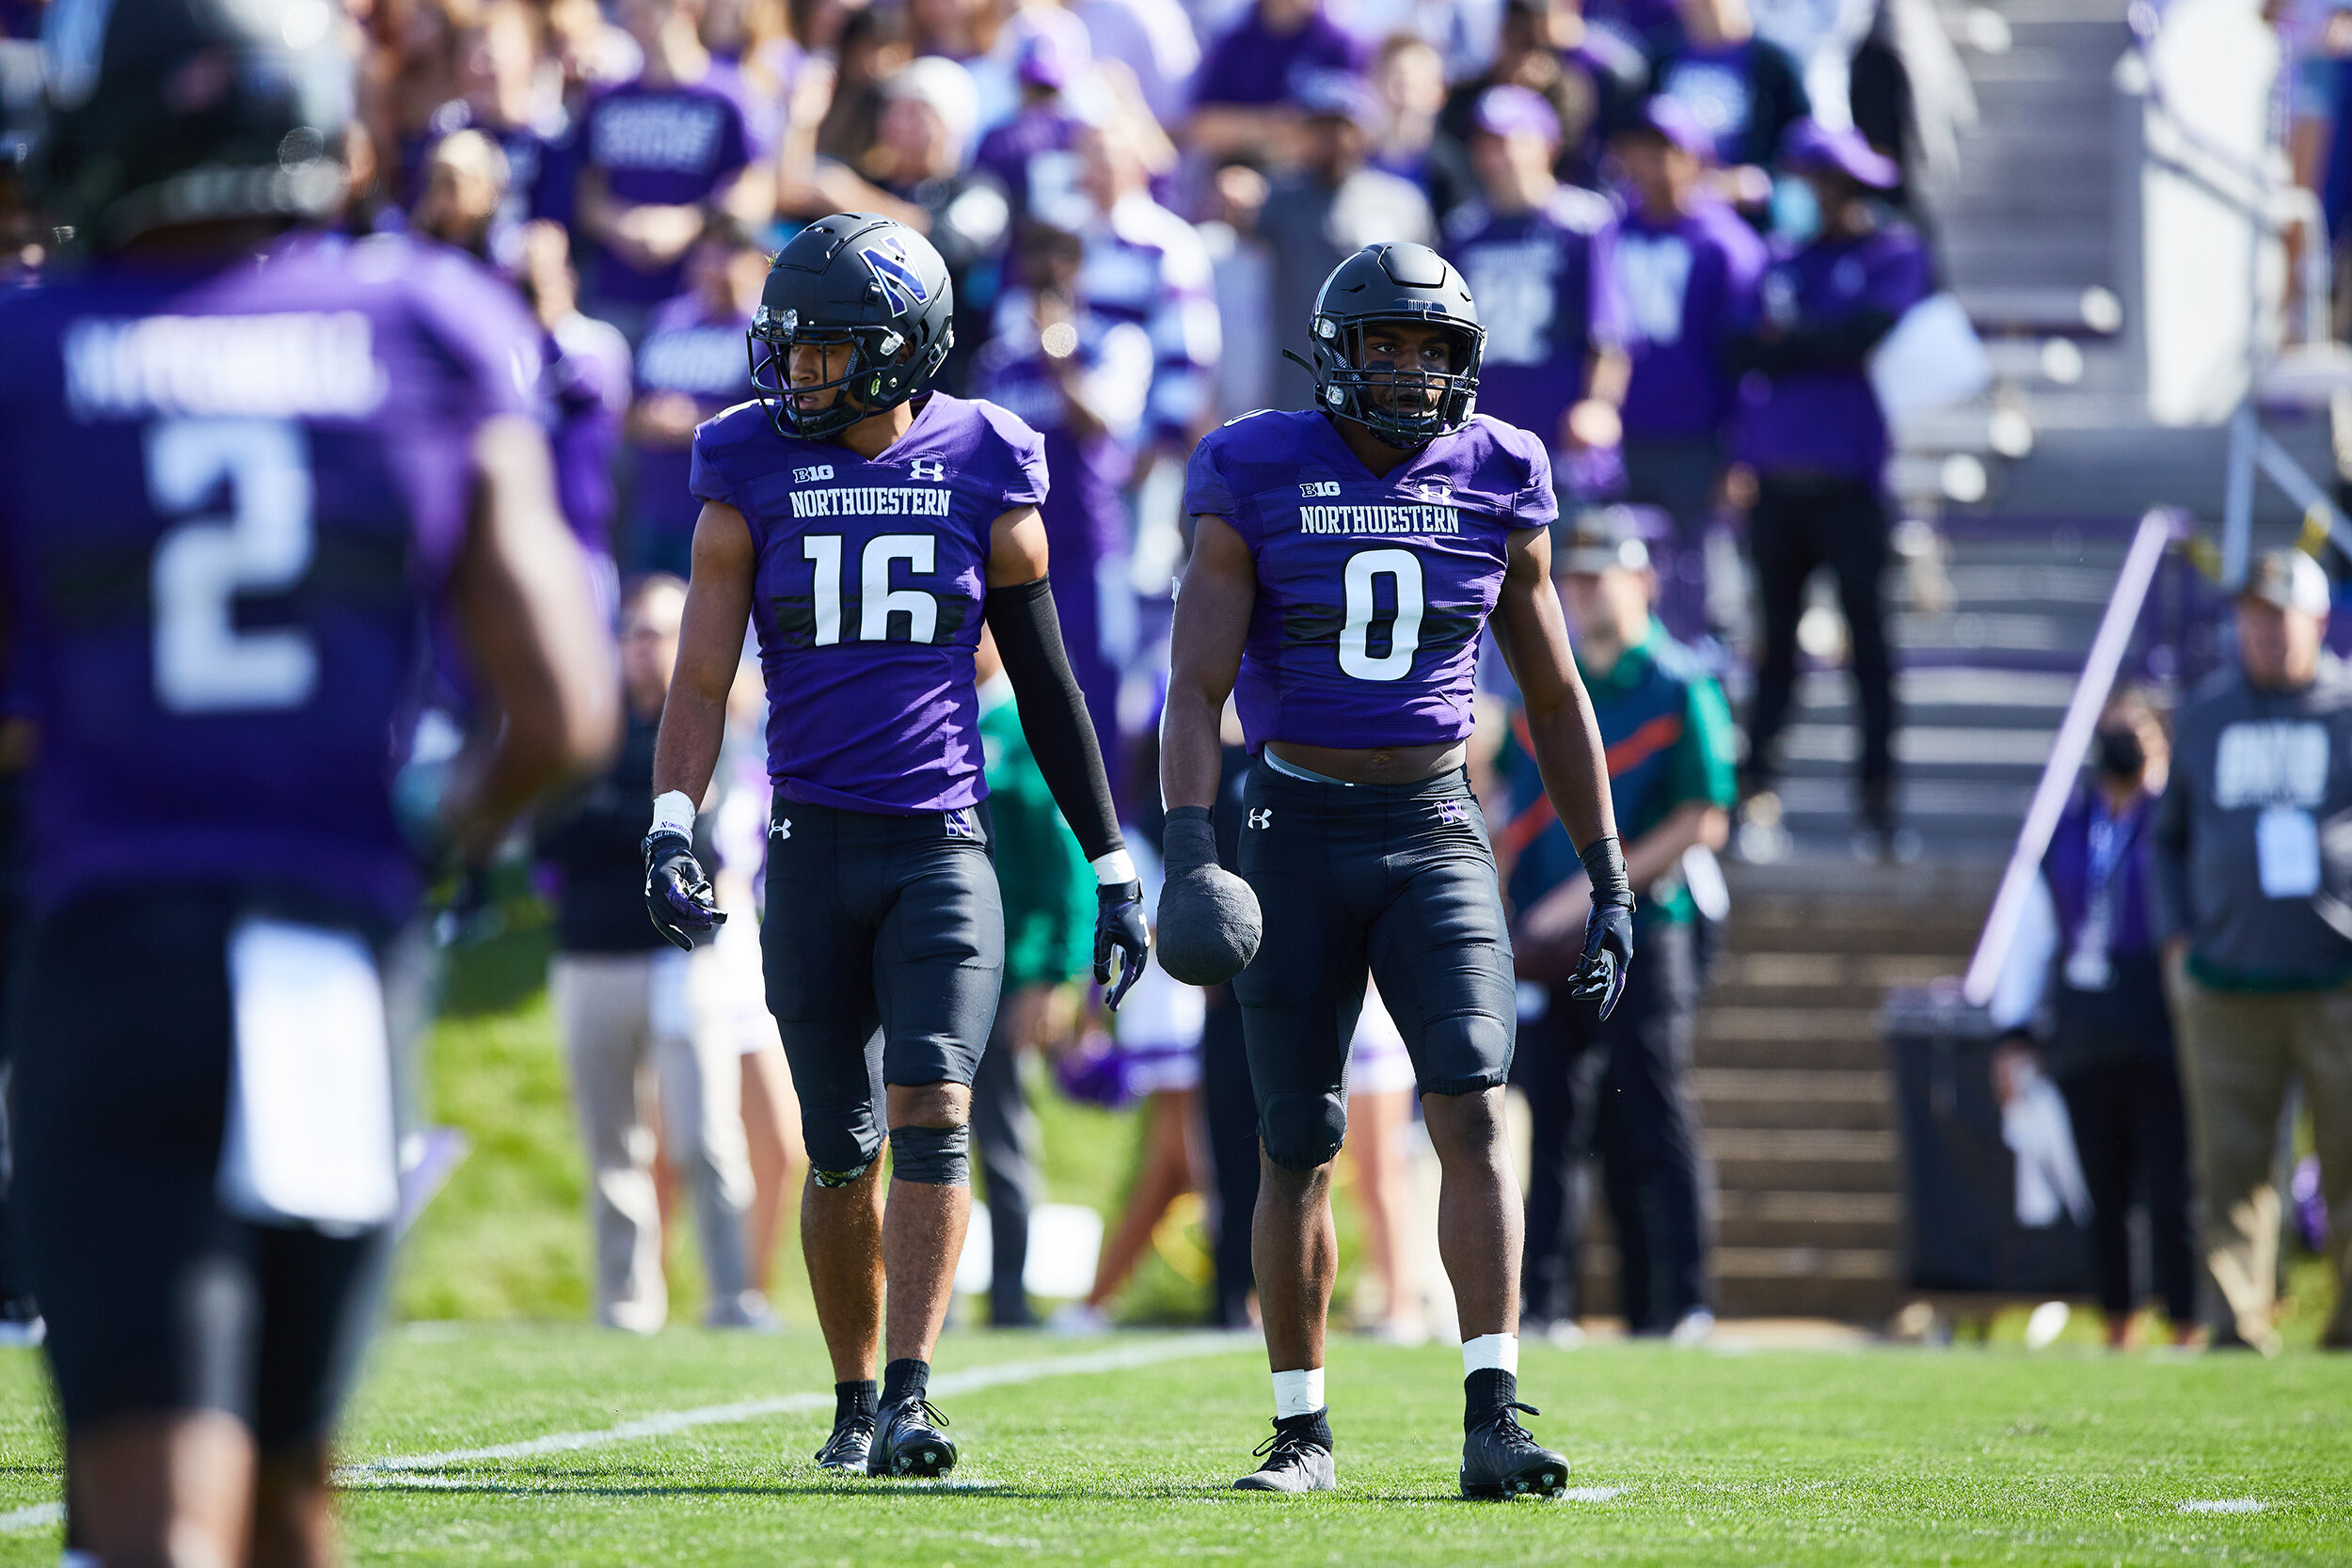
(781, 829)
(927, 468)
(1262, 817)
(1434, 491)
(1452, 810)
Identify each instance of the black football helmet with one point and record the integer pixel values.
(160, 113)
(1392, 283)
(870, 282)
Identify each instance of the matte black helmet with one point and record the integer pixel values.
(160, 113)
(1395, 283)
(870, 282)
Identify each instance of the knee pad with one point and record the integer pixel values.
(1302, 1132)
(841, 1139)
(934, 1156)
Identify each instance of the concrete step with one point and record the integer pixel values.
(1762, 1100)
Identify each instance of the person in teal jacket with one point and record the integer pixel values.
(1620, 1085)
(1048, 892)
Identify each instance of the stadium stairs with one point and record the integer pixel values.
(2021, 508)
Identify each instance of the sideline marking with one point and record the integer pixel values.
(2225, 1505)
(382, 1472)
(1592, 1494)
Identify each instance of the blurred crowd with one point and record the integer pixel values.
(1688, 226)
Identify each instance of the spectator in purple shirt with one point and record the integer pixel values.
(584, 377)
(1687, 275)
(1536, 254)
(1034, 154)
(1810, 427)
(1747, 92)
(1408, 90)
(1242, 97)
(498, 66)
(691, 365)
(657, 152)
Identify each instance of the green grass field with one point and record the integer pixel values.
(1872, 1456)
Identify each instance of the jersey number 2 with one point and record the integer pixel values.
(877, 600)
(263, 545)
(1364, 614)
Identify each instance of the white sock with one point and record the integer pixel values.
(1298, 1393)
(1495, 1351)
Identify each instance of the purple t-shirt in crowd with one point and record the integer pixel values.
(1371, 591)
(685, 349)
(230, 499)
(867, 595)
(1252, 65)
(1685, 285)
(667, 146)
(1828, 421)
(1034, 156)
(587, 388)
(1546, 294)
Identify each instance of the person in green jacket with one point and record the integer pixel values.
(1048, 892)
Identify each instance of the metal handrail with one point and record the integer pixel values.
(2108, 648)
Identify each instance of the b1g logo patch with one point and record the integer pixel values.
(810, 476)
(1319, 489)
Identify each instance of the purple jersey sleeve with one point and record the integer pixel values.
(1206, 494)
(717, 440)
(1018, 467)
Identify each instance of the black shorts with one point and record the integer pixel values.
(1396, 879)
(884, 944)
(157, 1299)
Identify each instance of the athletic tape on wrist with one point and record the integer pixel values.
(1113, 868)
(673, 813)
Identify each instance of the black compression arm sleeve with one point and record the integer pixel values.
(1053, 712)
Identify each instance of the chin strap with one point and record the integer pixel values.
(1294, 360)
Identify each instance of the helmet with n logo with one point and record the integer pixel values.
(855, 280)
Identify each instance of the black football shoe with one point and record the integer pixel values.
(1298, 1458)
(1500, 1460)
(908, 1442)
(845, 1452)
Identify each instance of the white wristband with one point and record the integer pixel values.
(1113, 868)
(673, 813)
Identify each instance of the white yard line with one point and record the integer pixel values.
(2225, 1505)
(398, 1468)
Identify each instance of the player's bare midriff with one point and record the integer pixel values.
(1380, 765)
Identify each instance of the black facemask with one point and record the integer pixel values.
(2119, 754)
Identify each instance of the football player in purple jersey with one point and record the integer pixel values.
(867, 527)
(1345, 561)
(245, 474)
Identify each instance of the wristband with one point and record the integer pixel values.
(1113, 868)
(673, 813)
(1604, 862)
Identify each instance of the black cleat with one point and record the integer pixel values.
(1500, 1460)
(908, 1442)
(845, 1452)
(1298, 1458)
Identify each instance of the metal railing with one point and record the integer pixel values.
(2156, 531)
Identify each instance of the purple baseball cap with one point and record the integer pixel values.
(1336, 95)
(1510, 111)
(1814, 148)
(1672, 119)
(1044, 61)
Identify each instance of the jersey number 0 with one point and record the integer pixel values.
(1364, 614)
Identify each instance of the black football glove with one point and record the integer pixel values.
(678, 894)
(1608, 930)
(1209, 924)
(1119, 929)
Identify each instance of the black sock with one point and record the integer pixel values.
(909, 1379)
(1485, 1391)
(853, 1399)
(1316, 1425)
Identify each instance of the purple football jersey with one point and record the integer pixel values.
(229, 500)
(1371, 591)
(867, 595)
(1546, 294)
(1828, 421)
